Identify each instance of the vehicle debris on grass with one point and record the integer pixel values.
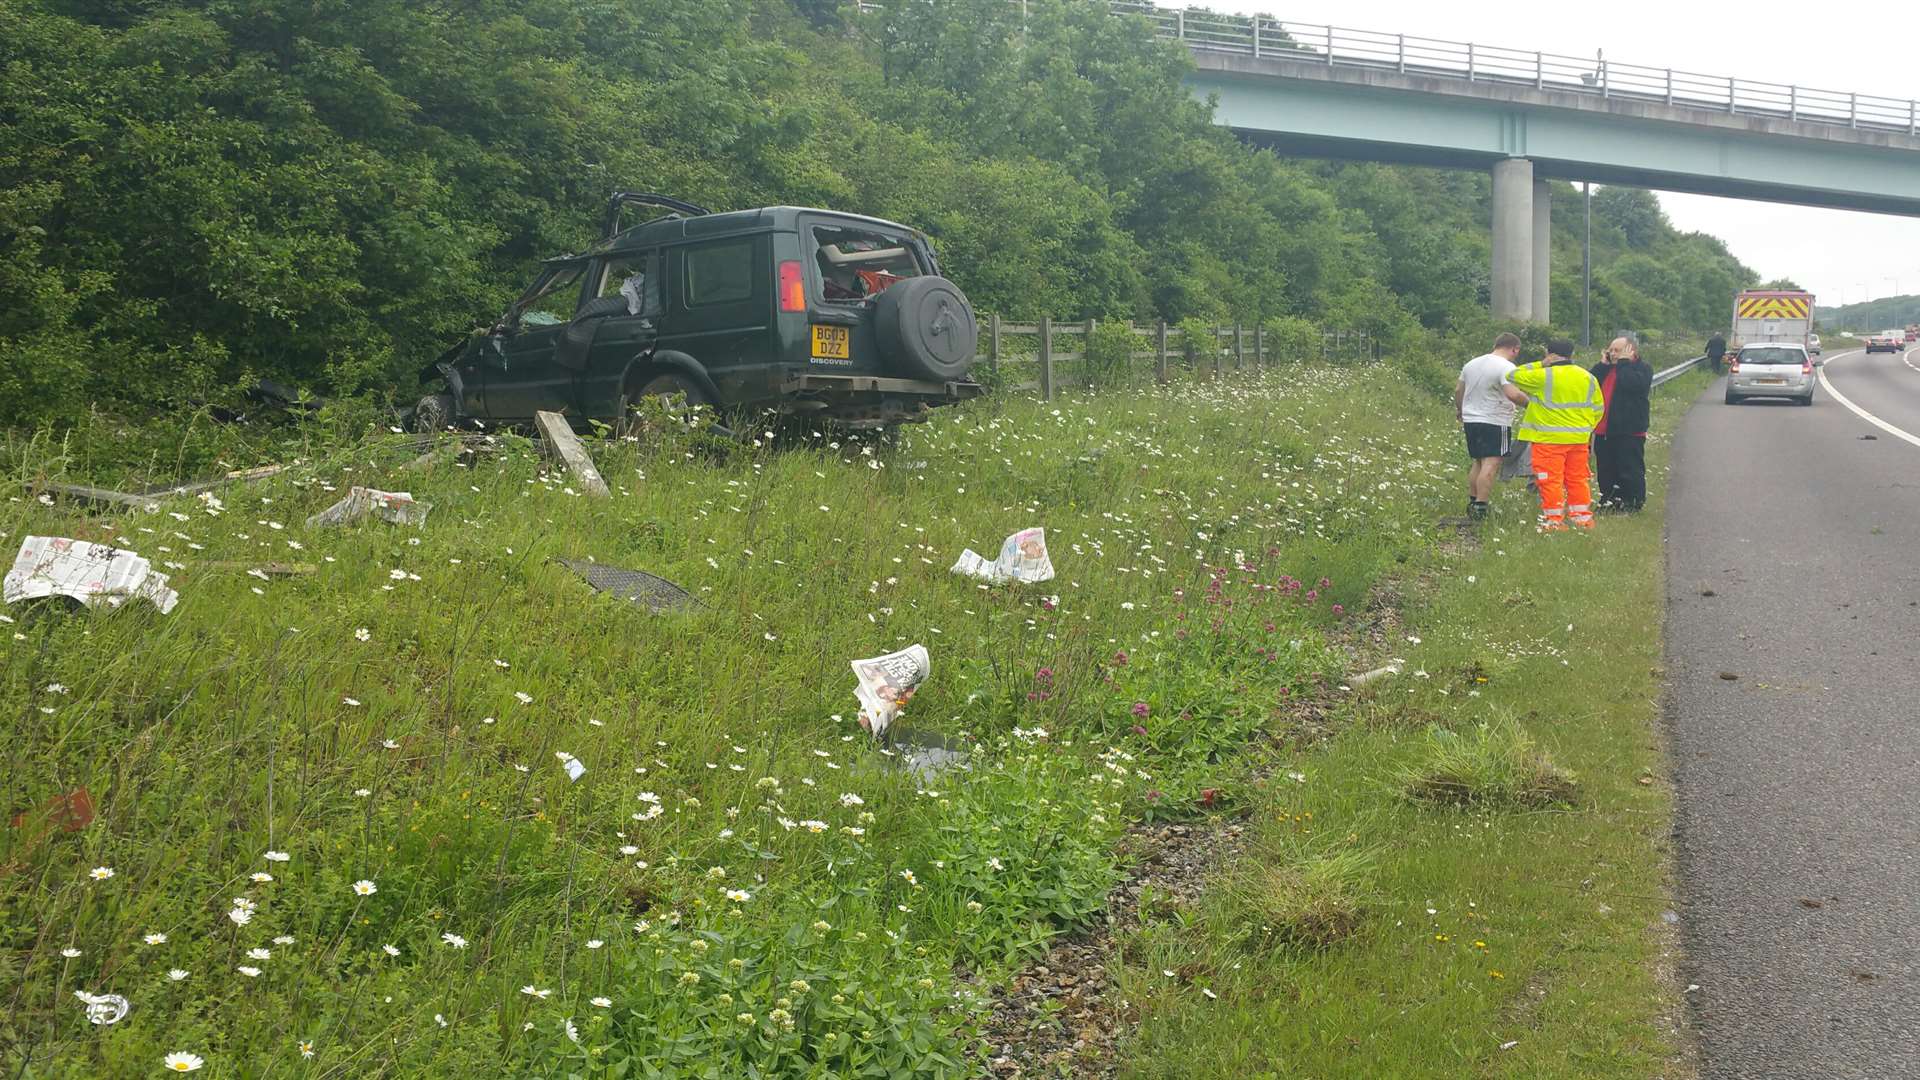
(651, 591)
(394, 507)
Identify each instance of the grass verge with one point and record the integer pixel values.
(1508, 923)
(332, 812)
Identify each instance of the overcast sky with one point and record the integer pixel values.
(1853, 46)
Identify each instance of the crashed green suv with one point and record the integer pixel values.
(794, 310)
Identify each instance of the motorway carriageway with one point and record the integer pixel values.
(1793, 720)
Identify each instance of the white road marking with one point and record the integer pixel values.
(1863, 414)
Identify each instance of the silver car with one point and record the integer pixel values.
(1775, 369)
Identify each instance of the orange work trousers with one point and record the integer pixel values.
(1566, 485)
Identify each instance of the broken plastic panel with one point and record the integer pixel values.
(656, 593)
(396, 507)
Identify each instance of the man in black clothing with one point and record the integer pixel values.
(1716, 349)
(1620, 442)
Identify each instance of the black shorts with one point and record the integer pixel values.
(1487, 440)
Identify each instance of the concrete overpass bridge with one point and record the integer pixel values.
(1322, 91)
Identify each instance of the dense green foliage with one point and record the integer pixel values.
(194, 193)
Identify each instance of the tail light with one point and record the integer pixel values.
(793, 289)
(1733, 365)
(1806, 366)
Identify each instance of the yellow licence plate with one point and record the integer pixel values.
(832, 343)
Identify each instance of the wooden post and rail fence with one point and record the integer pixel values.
(1058, 355)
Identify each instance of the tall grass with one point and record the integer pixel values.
(739, 882)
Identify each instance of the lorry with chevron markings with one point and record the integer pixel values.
(1764, 315)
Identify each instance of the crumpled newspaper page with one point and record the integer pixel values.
(887, 683)
(1023, 558)
(103, 1009)
(396, 507)
(91, 573)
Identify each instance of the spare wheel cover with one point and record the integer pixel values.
(934, 327)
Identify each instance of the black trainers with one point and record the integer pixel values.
(1477, 510)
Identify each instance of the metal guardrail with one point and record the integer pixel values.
(1261, 35)
(1676, 370)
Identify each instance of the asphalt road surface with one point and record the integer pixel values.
(1793, 704)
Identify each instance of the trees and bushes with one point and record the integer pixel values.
(198, 193)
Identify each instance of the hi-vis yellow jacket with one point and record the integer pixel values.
(1565, 403)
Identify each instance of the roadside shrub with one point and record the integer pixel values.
(1199, 342)
(1496, 764)
(1110, 351)
(1290, 337)
(1310, 902)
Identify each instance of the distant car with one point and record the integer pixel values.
(1777, 369)
(1891, 341)
(1813, 344)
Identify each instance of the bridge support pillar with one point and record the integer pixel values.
(1542, 250)
(1513, 244)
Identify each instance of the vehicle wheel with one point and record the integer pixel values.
(1732, 400)
(926, 327)
(1808, 400)
(433, 413)
(681, 395)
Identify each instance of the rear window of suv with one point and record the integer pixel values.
(855, 264)
(1773, 356)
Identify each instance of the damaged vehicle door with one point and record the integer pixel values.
(615, 331)
(519, 372)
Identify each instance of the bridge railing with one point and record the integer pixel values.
(1260, 35)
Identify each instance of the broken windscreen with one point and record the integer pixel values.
(855, 264)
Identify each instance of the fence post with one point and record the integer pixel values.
(1046, 358)
(1086, 349)
(1256, 37)
(1259, 353)
(1239, 351)
(1160, 351)
(1214, 347)
(993, 345)
(1329, 44)
(1793, 102)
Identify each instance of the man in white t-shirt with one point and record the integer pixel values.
(1485, 414)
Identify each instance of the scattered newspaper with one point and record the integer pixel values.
(103, 1009)
(91, 573)
(575, 770)
(397, 507)
(886, 684)
(1023, 558)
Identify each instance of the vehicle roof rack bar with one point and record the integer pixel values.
(620, 200)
